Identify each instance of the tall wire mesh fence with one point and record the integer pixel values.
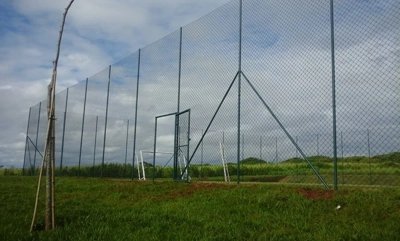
(279, 91)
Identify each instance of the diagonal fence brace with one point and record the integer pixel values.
(212, 119)
(286, 132)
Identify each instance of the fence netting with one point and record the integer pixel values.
(279, 91)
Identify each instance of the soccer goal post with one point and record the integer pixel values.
(141, 163)
(227, 178)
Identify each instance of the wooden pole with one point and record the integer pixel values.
(49, 147)
(49, 161)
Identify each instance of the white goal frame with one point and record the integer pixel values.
(140, 162)
(227, 178)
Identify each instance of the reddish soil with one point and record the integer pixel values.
(316, 194)
(193, 188)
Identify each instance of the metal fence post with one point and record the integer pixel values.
(155, 149)
(136, 110)
(188, 149)
(341, 148)
(180, 68)
(242, 150)
(260, 147)
(239, 91)
(105, 124)
(276, 149)
(177, 138)
(63, 132)
(335, 184)
(176, 148)
(369, 159)
(29, 155)
(36, 141)
(26, 140)
(126, 145)
(95, 142)
(83, 124)
(201, 156)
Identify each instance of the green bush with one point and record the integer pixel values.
(252, 160)
(12, 172)
(320, 159)
(389, 164)
(393, 156)
(9, 172)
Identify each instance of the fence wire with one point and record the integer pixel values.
(279, 91)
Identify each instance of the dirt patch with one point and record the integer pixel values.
(193, 188)
(316, 194)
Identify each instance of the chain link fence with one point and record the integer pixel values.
(278, 91)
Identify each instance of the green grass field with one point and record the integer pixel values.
(118, 209)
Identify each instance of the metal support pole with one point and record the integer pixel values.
(37, 135)
(63, 132)
(155, 149)
(369, 158)
(180, 68)
(177, 140)
(222, 150)
(260, 147)
(29, 154)
(26, 140)
(95, 142)
(83, 124)
(341, 148)
(188, 149)
(126, 145)
(276, 149)
(242, 150)
(105, 124)
(136, 111)
(201, 157)
(176, 149)
(368, 144)
(239, 91)
(335, 184)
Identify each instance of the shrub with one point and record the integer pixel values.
(252, 160)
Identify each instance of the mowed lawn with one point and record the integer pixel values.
(117, 209)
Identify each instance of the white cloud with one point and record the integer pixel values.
(5, 87)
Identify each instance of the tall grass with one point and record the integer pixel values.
(104, 209)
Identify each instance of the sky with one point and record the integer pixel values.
(97, 33)
(286, 56)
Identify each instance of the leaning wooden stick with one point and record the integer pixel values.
(49, 146)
